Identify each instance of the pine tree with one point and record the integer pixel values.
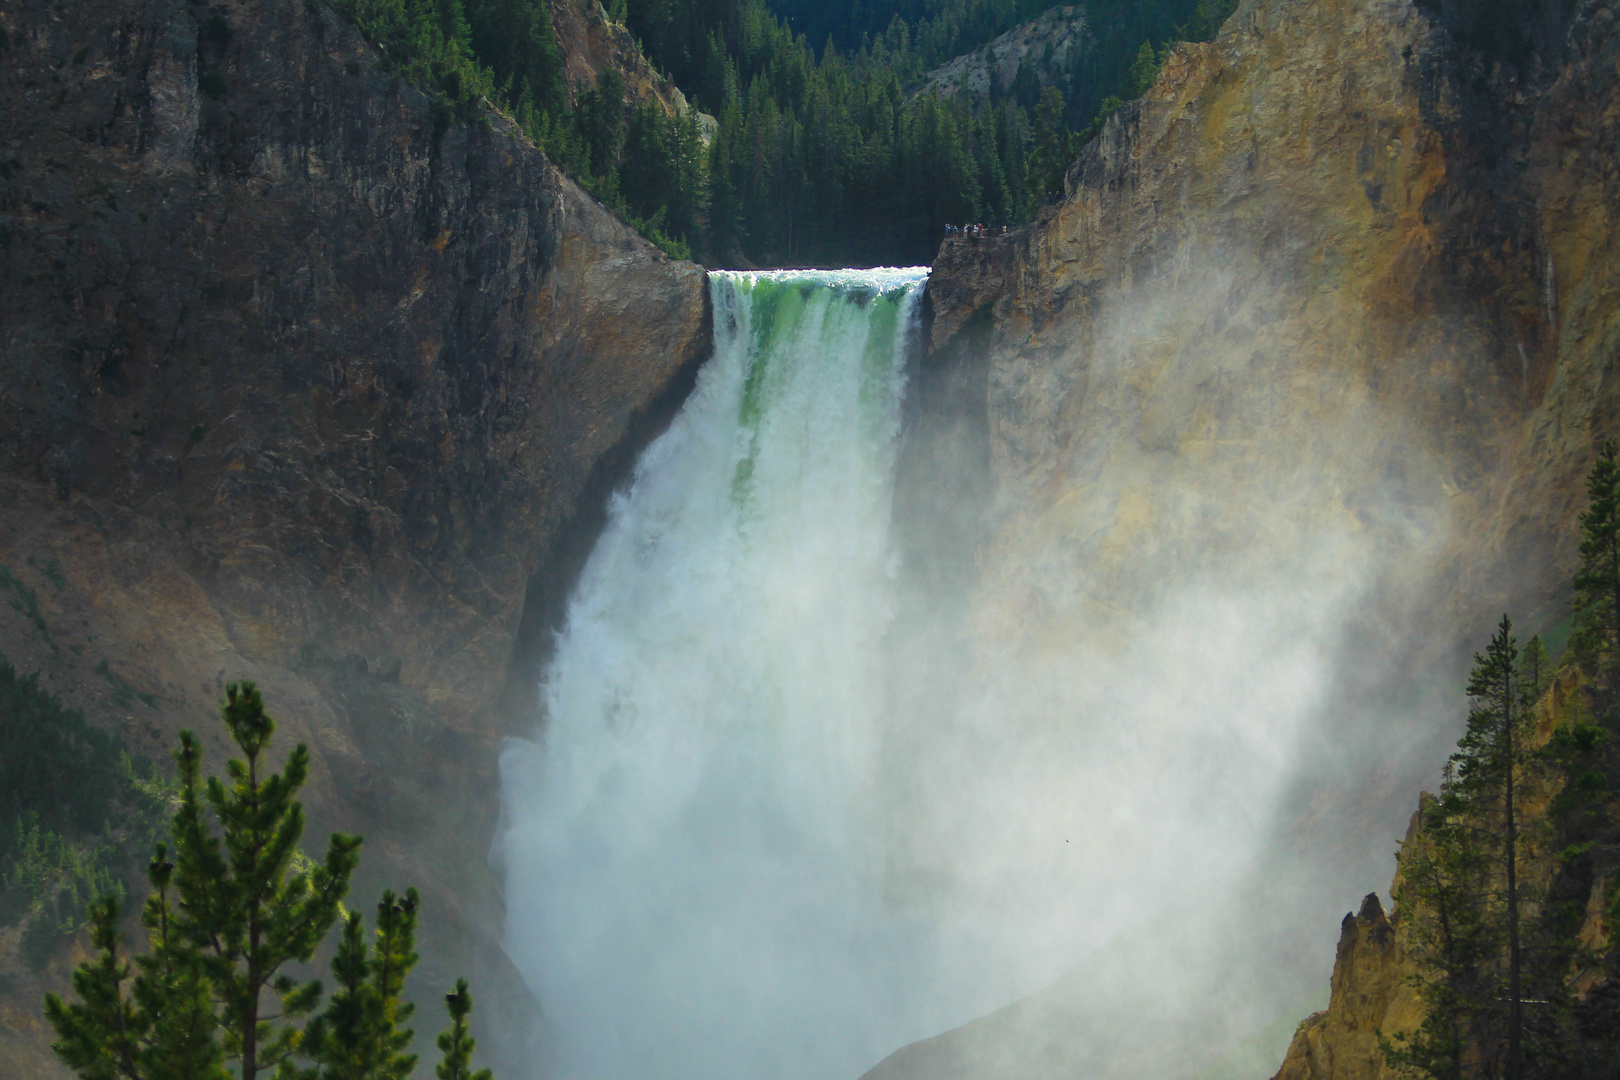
(100, 1035)
(601, 123)
(518, 42)
(1144, 70)
(1529, 939)
(1597, 585)
(162, 1026)
(1441, 883)
(1054, 148)
(1488, 760)
(335, 1040)
(392, 958)
(174, 992)
(237, 903)
(727, 233)
(1535, 672)
(360, 1034)
(1462, 879)
(244, 904)
(456, 1041)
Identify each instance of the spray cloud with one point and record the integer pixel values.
(755, 837)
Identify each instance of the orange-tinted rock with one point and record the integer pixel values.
(1371, 994)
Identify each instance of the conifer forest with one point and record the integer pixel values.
(828, 150)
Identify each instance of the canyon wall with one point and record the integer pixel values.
(1321, 334)
(1309, 205)
(1048, 44)
(302, 383)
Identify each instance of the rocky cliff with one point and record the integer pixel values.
(300, 383)
(1048, 46)
(1316, 347)
(1371, 994)
(1312, 204)
(592, 43)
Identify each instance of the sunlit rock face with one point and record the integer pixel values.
(1372, 993)
(1289, 396)
(298, 384)
(1293, 273)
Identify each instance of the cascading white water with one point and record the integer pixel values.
(693, 882)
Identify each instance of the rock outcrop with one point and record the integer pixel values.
(300, 383)
(592, 43)
(1372, 994)
(1310, 203)
(1321, 335)
(1047, 46)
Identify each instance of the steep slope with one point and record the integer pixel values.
(593, 43)
(1047, 46)
(1308, 364)
(301, 384)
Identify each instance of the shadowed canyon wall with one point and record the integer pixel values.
(301, 383)
(1317, 347)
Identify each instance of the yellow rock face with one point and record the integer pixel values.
(1371, 994)
(1319, 335)
(1299, 282)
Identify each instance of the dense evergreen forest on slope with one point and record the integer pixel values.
(77, 809)
(825, 153)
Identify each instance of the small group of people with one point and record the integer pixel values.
(974, 230)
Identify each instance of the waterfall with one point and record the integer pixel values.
(693, 883)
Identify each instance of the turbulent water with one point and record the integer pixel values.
(692, 880)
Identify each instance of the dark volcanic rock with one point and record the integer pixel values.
(301, 382)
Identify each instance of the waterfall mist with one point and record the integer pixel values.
(791, 806)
